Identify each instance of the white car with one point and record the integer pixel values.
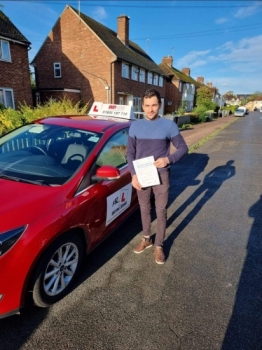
(240, 112)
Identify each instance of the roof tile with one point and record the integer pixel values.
(9, 30)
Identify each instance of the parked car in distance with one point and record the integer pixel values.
(255, 109)
(240, 112)
(65, 186)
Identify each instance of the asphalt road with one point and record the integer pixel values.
(208, 295)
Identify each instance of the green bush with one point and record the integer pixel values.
(11, 119)
(2, 107)
(201, 112)
(231, 109)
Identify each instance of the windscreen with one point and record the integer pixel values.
(45, 154)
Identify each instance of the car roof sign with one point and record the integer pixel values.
(119, 113)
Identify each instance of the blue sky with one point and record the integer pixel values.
(218, 40)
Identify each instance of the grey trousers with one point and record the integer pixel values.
(161, 197)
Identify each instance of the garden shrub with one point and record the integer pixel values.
(11, 119)
(201, 112)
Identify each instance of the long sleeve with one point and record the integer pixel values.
(131, 153)
(181, 148)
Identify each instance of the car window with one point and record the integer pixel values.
(46, 154)
(114, 151)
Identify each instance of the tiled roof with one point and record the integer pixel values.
(131, 54)
(9, 30)
(178, 74)
(258, 98)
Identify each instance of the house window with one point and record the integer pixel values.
(5, 51)
(57, 70)
(142, 75)
(150, 78)
(7, 98)
(137, 104)
(135, 72)
(121, 100)
(180, 86)
(161, 80)
(125, 70)
(155, 79)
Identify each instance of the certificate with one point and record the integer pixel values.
(146, 171)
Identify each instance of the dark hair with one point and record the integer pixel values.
(152, 92)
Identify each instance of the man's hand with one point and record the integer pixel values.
(135, 183)
(161, 162)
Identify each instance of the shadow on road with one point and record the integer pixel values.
(245, 325)
(211, 184)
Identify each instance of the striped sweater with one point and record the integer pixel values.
(152, 138)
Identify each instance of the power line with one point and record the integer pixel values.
(205, 32)
(177, 4)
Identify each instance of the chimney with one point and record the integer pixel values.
(168, 60)
(186, 71)
(123, 29)
(209, 84)
(200, 80)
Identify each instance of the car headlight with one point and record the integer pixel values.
(8, 238)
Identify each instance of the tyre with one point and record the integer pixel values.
(56, 270)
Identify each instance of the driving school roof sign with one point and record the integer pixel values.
(114, 112)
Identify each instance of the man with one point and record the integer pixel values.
(151, 136)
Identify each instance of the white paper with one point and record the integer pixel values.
(146, 171)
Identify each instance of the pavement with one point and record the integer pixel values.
(199, 132)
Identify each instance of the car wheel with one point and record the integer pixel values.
(56, 270)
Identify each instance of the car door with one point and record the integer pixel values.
(114, 200)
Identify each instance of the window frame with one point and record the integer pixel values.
(155, 79)
(137, 104)
(125, 70)
(134, 73)
(2, 51)
(150, 78)
(142, 75)
(161, 81)
(57, 66)
(4, 90)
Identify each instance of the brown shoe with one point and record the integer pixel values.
(159, 255)
(143, 245)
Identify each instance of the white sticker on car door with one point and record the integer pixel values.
(118, 202)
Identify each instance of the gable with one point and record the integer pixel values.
(132, 53)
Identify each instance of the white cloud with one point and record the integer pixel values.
(242, 56)
(193, 59)
(99, 13)
(249, 10)
(221, 20)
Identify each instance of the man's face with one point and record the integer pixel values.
(151, 107)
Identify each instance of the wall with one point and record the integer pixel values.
(16, 74)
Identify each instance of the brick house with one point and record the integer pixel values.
(87, 61)
(180, 86)
(15, 85)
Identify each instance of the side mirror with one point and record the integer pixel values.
(106, 172)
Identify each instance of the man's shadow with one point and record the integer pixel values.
(245, 325)
(211, 184)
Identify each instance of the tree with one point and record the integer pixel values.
(204, 96)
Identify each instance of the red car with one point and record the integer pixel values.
(65, 185)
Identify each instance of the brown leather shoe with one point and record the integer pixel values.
(159, 255)
(143, 245)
